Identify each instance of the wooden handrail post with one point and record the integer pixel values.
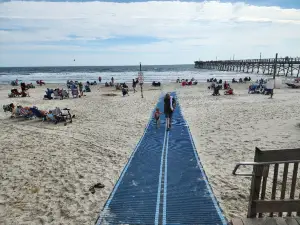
(255, 186)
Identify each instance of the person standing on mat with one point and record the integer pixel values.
(169, 106)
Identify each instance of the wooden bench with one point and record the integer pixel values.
(285, 210)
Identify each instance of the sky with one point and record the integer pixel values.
(122, 32)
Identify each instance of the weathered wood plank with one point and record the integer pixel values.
(255, 186)
(261, 206)
(278, 155)
(264, 185)
(274, 184)
(283, 187)
(293, 185)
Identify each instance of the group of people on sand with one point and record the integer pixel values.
(169, 107)
(241, 80)
(123, 86)
(217, 86)
(111, 83)
(56, 115)
(186, 82)
(23, 93)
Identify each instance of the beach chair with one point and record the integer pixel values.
(14, 83)
(40, 82)
(65, 94)
(64, 115)
(256, 89)
(216, 91)
(14, 93)
(75, 93)
(26, 113)
(87, 88)
(57, 94)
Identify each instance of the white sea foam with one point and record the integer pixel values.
(149, 76)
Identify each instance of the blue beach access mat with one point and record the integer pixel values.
(163, 181)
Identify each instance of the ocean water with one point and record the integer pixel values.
(161, 73)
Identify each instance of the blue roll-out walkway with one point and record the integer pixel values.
(163, 181)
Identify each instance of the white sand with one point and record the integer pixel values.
(226, 130)
(46, 170)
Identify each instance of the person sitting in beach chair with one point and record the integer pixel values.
(226, 85)
(40, 82)
(87, 88)
(57, 94)
(49, 92)
(74, 91)
(14, 83)
(25, 112)
(63, 115)
(57, 116)
(217, 90)
(38, 113)
(28, 86)
(65, 93)
(155, 84)
(229, 92)
(125, 91)
(14, 93)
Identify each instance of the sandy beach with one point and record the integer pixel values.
(46, 170)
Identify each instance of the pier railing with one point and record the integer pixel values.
(263, 198)
(283, 66)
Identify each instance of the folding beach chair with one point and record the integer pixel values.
(63, 115)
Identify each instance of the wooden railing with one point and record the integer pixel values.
(264, 161)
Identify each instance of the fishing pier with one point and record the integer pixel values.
(282, 66)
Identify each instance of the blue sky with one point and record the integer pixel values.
(50, 33)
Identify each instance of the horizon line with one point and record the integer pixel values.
(98, 65)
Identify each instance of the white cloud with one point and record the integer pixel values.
(187, 31)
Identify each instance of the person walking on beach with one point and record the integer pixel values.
(112, 80)
(100, 79)
(169, 106)
(80, 85)
(133, 85)
(157, 114)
